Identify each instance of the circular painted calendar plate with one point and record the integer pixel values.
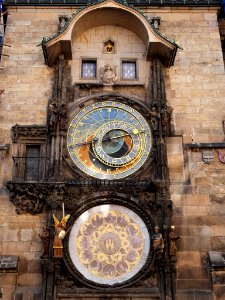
(109, 244)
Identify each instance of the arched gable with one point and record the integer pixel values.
(104, 13)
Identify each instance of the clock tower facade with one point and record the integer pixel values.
(97, 170)
(108, 151)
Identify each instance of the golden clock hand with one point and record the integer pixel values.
(116, 137)
(87, 143)
(135, 132)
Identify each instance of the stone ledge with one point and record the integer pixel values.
(130, 2)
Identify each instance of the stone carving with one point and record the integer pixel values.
(28, 131)
(155, 116)
(55, 198)
(63, 19)
(57, 113)
(45, 237)
(26, 198)
(208, 156)
(31, 197)
(109, 74)
(53, 111)
(155, 21)
(158, 243)
(60, 227)
(172, 240)
(166, 112)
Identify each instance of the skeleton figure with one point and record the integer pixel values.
(60, 233)
(173, 238)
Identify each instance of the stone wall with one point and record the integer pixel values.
(27, 82)
(195, 89)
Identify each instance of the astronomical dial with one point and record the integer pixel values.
(109, 244)
(109, 140)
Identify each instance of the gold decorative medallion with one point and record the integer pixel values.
(109, 244)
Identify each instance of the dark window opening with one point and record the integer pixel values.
(32, 163)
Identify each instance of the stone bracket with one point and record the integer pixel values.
(32, 197)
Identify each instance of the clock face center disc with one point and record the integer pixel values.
(113, 143)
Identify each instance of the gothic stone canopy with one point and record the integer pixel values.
(109, 13)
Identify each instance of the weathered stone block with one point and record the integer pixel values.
(217, 243)
(30, 280)
(26, 235)
(200, 284)
(196, 244)
(8, 279)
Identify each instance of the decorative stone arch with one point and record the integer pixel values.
(105, 13)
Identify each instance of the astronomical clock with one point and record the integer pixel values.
(108, 143)
(113, 154)
(109, 140)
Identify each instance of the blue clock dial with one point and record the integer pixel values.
(109, 140)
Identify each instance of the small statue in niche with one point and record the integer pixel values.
(53, 111)
(158, 242)
(172, 239)
(62, 22)
(60, 232)
(45, 237)
(109, 46)
(166, 112)
(109, 74)
(155, 116)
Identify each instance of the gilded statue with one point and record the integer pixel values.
(60, 232)
(158, 242)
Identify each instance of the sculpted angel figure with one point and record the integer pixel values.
(109, 74)
(60, 232)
